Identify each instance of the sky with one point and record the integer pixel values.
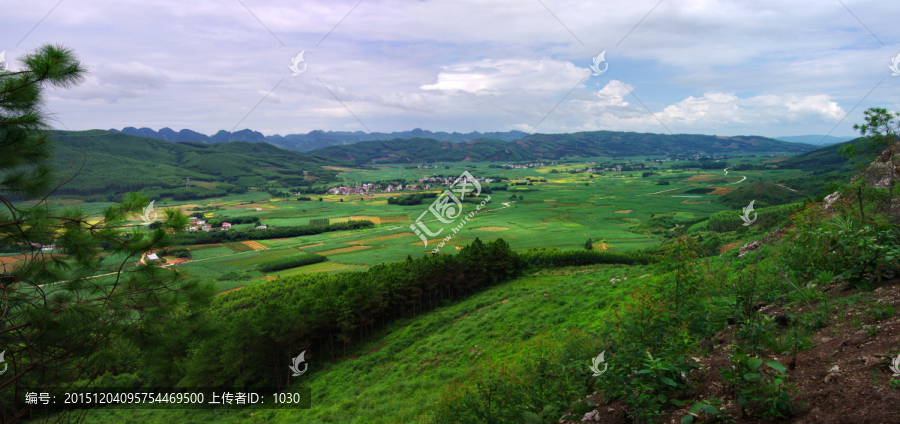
(758, 67)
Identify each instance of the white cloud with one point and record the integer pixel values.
(767, 67)
(116, 81)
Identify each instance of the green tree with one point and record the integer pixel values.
(60, 326)
(879, 132)
(589, 245)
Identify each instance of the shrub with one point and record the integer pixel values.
(292, 261)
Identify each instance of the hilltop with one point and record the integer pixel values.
(765, 193)
(556, 146)
(109, 162)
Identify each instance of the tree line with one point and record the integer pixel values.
(258, 329)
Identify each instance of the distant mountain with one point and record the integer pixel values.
(315, 139)
(815, 139)
(188, 135)
(115, 162)
(555, 146)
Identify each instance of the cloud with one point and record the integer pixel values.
(768, 67)
(117, 81)
(505, 76)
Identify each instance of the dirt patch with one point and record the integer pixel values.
(11, 259)
(722, 190)
(694, 203)
(702, 177)
(229, 290)
(726, 247)
(625, 211)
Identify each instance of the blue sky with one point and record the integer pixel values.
(770, 68)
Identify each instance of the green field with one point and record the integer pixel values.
(552, 208)
(558, 209)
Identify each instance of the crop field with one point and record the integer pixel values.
(551, 208)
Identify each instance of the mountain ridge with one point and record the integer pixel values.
(315, 139)
(555, 146)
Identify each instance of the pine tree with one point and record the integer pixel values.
(589, 245)
(59, 325)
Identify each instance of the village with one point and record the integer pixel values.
(369, 189)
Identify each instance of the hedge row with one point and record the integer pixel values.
(292, 261)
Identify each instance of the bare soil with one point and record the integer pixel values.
(843, 379)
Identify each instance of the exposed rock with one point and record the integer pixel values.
(755, 245)
(829, 200)
(591, 416)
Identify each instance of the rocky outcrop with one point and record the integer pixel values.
(774, 236)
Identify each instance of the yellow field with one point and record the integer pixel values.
(375, 220)
(310, 245)
(255, 245)
(342, 250)
(338, 168)
(492, 229)
(625, 211)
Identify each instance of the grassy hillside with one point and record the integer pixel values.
(554, 146)
(109, 162)
(765, 193)
(826, 158)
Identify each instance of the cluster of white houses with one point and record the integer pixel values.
(198, 224)
(369, 188)
(201, 225)
(527, 165)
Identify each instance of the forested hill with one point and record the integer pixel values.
(555, 146)
(314, 139)
(113, 163)
(823, 158)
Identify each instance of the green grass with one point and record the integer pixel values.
(399, 377)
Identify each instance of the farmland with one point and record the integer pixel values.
(551, 208)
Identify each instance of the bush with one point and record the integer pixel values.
(292, 261)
